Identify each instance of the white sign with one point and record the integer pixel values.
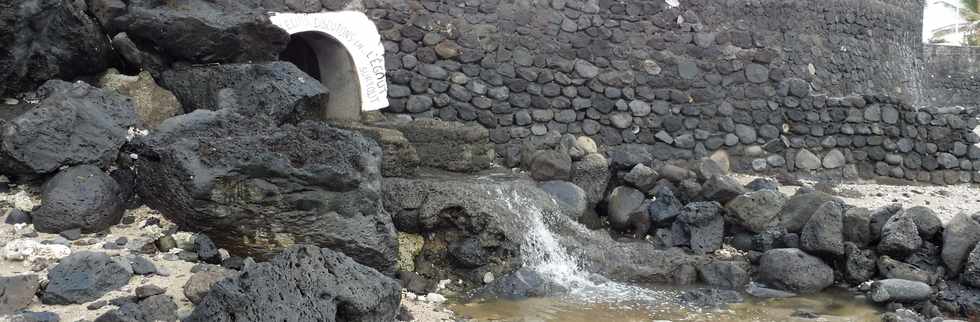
(361, 38)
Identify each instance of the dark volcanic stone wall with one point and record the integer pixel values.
(951, 77)
(748, 77)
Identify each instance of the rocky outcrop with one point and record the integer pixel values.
(83, 277)
(80, 197)
(74, 123)
(278, 90)
(257, 188)
(70, 43)
(303, 283)
(201, 31)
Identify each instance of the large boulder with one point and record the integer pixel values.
(48, 39)
(303, 283)
(756, 211)
(791, 269)
(279, 90)
(85, 276)
(823, 233)
(153, 103)
(74, 123)
(797, 211)
(79, 197)
(203, 31)
(256, 188)
(960, 237)
(17, 292)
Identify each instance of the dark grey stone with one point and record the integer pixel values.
(897, 290)
(792, 270)
(205, 32)
(85, 276)
(756, 211)
(299, 284)
(17, 292)
(278, 90)
(899, 236)
(73, 124)
(80, 197)
(727, 275)
(823, 233)
(70, 45)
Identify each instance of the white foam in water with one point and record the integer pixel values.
(543, 254)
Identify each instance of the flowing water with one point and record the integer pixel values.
(592, 298)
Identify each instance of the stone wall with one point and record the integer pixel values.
(951, 76)
(760, 80)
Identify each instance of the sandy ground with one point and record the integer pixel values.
(175, 273)
(946, 201)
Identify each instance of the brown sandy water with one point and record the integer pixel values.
(828, 306)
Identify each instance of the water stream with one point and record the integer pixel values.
(592, 298)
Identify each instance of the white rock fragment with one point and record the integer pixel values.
(30, 250)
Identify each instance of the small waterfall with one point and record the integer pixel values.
(543, 253)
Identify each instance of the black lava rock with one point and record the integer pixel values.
(302, 283)
(80, 197)
(83, 277)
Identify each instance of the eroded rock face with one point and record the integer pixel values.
(303, 283)
(73, 124)
(278, 90)
(70, 44)
(203, 31)
(257, 188)
(79, 197)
